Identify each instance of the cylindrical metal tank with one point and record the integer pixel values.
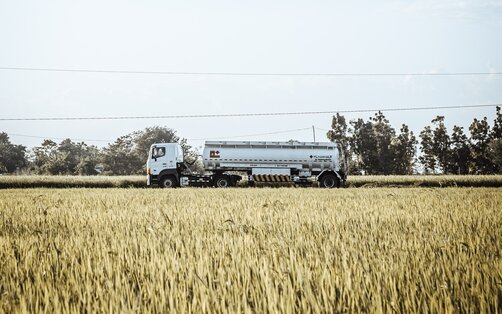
(237, 155)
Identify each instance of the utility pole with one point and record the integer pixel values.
(313, 132)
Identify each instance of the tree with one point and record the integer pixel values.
(404, 149)
(339, 135)
(495, 146)
(46, 158)
(128, 154)
(435, 147)
(365, 143)
(68, 158)
(372, 147)
(459, 152)
(497, 125)
(120, 157)
(365, 146)
(496, 153)
(441, 144)
(143, 139)
(480, 147)
(427, 159)
(384, 135)
(88, 162)
(71, 154)
(12, 157)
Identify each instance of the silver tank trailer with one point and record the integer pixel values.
(243, 156)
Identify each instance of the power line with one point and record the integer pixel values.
(298, 113)
(189, 139)
(245, 73)
(58, 138)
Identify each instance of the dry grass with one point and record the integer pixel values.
(251, 250)
(35, 181)
(8, 182)
(426, 181)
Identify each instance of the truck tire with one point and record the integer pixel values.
(222, 181)
(168, 182)
(329, 181)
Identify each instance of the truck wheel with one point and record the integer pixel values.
(168, 182)
(222, 182)
(330, 181)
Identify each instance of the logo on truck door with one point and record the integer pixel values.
(214, 154)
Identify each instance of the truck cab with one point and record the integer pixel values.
(164, 159)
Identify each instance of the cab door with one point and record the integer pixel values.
(157, 160)
(163, 157)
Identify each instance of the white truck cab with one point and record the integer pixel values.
(163, 158)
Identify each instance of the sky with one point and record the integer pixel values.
(242, 36)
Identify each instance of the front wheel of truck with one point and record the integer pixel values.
(168, 182)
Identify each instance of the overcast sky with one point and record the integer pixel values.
(242, 36)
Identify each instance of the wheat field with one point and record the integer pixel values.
(378, 250)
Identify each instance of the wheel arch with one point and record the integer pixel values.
(338, 174)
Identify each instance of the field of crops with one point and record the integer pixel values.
(7, 182)
(251, 250)
(28, 181)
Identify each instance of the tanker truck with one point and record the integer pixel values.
(226, 162)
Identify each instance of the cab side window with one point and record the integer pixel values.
(158, 152)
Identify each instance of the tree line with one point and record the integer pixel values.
(373, 146)
(369, 146)
(125, 156)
